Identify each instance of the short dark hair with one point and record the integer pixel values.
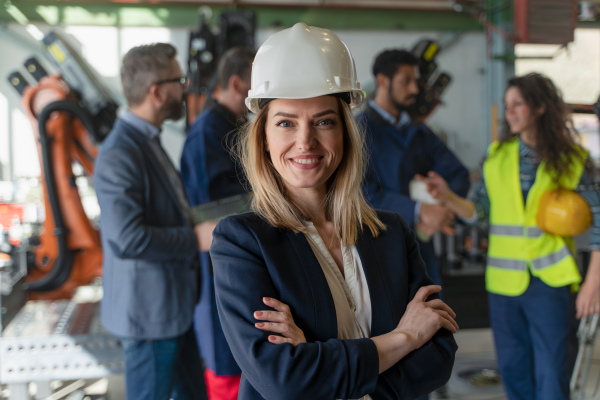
(235, 61)
(388, 61)
(142, 66)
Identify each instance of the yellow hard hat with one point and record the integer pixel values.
(563, 212)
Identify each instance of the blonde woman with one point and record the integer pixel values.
(319, 295)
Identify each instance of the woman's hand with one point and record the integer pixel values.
(588, 298)
(280, 321)
(436, 186)
(422, 319)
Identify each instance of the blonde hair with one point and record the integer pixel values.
(345, 204)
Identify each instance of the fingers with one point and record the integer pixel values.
(276, 304)
(425, 291)
(447, 321)
(280, 339)
(275, 327)
(588, 301)
(420, 178)
(438, 304)
(279, 321)
(587, 309)
(274, 316)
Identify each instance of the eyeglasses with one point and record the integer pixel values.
(181, 80)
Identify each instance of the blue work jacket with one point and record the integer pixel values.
(209, 173)
(394, 157)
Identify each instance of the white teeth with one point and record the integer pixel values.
(306, 160)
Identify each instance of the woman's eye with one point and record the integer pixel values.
(284, 124)
(326, 122)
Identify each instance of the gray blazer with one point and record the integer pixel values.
(150, 262)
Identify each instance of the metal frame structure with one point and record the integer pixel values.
(56, 340)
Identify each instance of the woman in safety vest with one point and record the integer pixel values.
(530, 272)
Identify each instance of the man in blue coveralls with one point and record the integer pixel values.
(400, 147)
(210, 173)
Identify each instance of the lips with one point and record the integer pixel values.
(306, 162)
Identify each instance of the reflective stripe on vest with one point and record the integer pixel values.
(515, 230)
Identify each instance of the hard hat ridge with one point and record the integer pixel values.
(303, 62)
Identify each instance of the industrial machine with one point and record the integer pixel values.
(206, 46)
(53, 336)
(70, 115)
(432, 83)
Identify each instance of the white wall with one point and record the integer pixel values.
(576, 72)
(461, 118)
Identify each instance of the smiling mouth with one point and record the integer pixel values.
(305, 160)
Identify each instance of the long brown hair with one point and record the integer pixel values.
(554, 130)
(345, 204)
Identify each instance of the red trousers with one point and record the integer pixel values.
(221, 387)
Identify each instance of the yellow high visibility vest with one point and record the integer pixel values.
(516, 243)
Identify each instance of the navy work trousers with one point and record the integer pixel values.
(531, 335)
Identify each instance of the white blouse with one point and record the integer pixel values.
(350, 292)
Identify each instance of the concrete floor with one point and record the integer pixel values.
(473, 377)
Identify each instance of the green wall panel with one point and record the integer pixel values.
(185, 15)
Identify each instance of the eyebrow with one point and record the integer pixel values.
(317, 115)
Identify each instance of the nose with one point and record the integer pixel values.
(306, 139)
(414, 87)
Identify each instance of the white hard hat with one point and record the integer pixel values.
(302, 62)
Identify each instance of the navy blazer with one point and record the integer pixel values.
(149, 249)
(209, 173)
(253, 259)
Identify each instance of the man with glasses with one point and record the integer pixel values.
(150, 245)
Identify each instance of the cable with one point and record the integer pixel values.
(61, 269)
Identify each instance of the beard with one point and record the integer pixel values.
(409, 101)
(173, 109)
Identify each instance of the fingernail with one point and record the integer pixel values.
(259, 324)
(271, 338)
(258, 313)
(266, 298)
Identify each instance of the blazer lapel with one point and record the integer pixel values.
(325, 316)
(381, 308)
(155, 164)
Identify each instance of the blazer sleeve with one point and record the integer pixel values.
(331, 369)
(119, 184)
(429, 367)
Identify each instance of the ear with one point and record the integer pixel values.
(236, 83)
(382, 81)
(540, 111)
(155, 94)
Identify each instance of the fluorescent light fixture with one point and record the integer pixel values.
(17, 14)
(34, 31)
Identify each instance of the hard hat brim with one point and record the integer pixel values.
(357, 99)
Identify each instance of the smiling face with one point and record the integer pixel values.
(520, 116)
(305, 140)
